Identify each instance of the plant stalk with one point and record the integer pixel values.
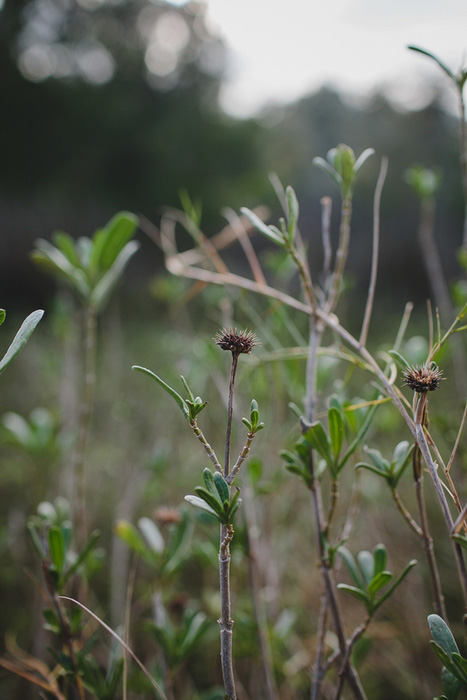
(225, 621)
(84, 417)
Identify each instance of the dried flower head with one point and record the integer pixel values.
(424, 378)
(237, 342)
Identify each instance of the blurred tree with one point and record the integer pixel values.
(110, 105)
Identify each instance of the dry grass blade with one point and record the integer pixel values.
(125, 646)
(47, 683)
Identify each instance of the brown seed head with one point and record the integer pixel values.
(237, 342)
(423, 379)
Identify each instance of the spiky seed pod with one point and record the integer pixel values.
(237, 342)
(423, 379)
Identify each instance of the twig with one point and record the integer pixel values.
(225, 621)
(326, 210)
(375, 254)
(207, 447)
(84, 417)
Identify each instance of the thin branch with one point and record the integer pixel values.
(239, 230)
(456, 444)
(375, 255)
(207, 447)
(326, 210)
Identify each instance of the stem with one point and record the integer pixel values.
(427, 544)
(319, 668)
(226, 622)
(463, 157)
(228, 435)
(406, 515)
(85, 411)
(207, 447)
(358, 632)
(241, 458)
(341, 254)
(375, 254)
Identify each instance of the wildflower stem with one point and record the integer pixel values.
(228, 435)
(226, 622)
(85, 411)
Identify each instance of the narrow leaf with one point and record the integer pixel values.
(366, 563)
(262, 227)
(336, 431)
(222, 487)
(380, 557)
(199, 503)
(151, 534)
(181, 402)
(352, 567)
(379, 581)
(397, 582)
(316, 435)
(356, 593)
(56, 547)
(21, 338)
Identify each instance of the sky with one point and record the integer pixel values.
(280, 50)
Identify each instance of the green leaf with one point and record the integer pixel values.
(371, 468)
(461, 666)
(196, 628)
(356, 593)
(437, 60)
(130, 535)
(379, 581)
(208, 479)
(377, 459)
(442, 634)
(120, 229)
(187, 388)
(352, 567)
(21, 338)
(2, 316)
(81, 558)
(270, 232)
(359, 436)
(66, 245)
(336, 431)
(210, 499)
(181, 402)
(151, 534)
(292, 212)
(316, 436)
(36, 541)
(396, 583)
(104, 287)
(222, 487)
(199, 503)
(400, 360)
(56, 547)
(380, 557)
(327, 168)
(366, 564)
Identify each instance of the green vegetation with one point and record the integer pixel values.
(359, 438)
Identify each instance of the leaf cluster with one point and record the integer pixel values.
(178, 641)
(393, 470)
(215, 498)
(370, 576)
(90, 266)
(51, 532)
(454, 674)
(166, 555)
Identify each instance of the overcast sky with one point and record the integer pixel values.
(283, 49)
